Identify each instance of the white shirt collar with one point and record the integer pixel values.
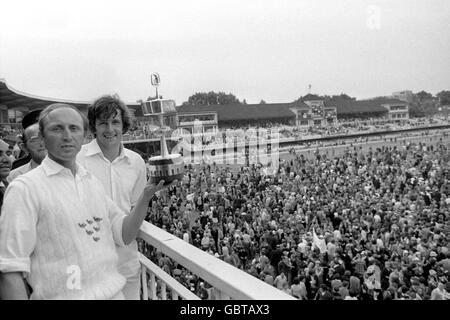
(92, 148)
(52, 167)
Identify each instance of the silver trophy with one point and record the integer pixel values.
(166, 166)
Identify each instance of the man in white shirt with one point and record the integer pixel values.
(5, 170)
(121, 171)
(58, 227)
(34, 145)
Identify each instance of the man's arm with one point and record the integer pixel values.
(12, 286)
(140, 183)
(17, 238)
(133, 221)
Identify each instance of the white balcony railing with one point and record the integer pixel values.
(150, 272)
(227, 281)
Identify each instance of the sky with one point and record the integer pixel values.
(256, 49)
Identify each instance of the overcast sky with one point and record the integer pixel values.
(255, 49)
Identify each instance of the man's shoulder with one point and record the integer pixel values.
(36, 172)
(30, 178)
(133, 155)
(19, 171)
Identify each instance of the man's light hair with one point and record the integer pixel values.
(55, 106)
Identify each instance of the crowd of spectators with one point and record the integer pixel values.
(341, 127)
(353, 126)
(361, 226)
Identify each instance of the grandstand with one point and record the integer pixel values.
(14, 104)
(300, 113)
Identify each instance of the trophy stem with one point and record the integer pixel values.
(164, 151)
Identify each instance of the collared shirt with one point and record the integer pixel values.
(21, 170)
(2, 193)
(60, 230)
(124, 180)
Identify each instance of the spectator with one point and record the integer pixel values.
(5, 169)
(29, 119)
(33, 144)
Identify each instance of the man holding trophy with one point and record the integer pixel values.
(121, 171)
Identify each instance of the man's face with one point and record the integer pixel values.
(63, 135)
(5, 165)
(34, 143)
(109, 131)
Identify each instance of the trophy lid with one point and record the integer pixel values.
(157, 107)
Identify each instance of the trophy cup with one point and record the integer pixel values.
(166, 166)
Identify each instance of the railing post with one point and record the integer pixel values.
(153, 286)
(163, 291)
(144, 284)
(215, 293)
(162, 281)
(224, 296)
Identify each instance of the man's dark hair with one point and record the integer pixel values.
(105, 107)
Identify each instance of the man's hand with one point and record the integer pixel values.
(133, 221)
(150, 189)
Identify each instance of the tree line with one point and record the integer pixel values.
(423, 103)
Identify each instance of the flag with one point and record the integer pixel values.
(319, 243)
